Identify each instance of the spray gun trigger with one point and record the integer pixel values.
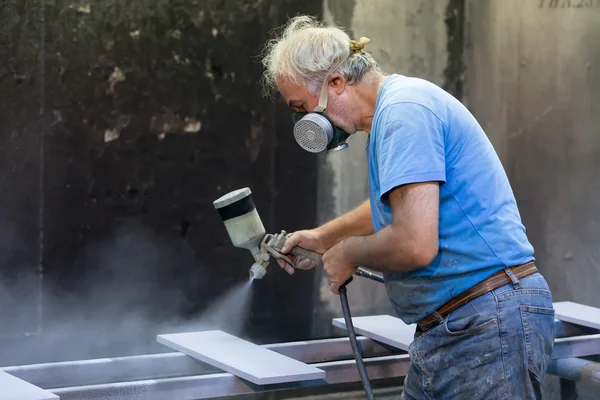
(272, 244)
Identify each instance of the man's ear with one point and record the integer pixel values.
(337, 82)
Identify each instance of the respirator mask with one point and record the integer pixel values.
(315, 131)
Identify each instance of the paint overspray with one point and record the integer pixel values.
(229, 312)
(136, 285)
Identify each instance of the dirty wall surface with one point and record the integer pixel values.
(120, 123)
(534, 83)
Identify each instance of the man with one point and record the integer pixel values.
(441, 222)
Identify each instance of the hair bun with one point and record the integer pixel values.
(356, 46)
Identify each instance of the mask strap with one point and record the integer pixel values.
(323, 96)
(354, 48)
(324, 87)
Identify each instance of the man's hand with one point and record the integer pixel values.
(337, 267)
(308, 239)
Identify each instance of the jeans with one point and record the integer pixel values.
(495, 347)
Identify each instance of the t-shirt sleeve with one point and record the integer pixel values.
(410, 146)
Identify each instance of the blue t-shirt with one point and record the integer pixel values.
(421, 133)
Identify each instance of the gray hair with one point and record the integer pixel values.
(306, 52)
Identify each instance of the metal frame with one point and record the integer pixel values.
(224, 384)
(175, 364)
(175, 375)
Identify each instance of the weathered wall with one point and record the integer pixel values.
(533, 82)
(120, 123)
(408, 38)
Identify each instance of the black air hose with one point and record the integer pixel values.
(356, 350)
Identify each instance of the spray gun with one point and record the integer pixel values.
(246, 231)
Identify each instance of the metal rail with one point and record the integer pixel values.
(177, 376)
(170, 365)
(224, 384)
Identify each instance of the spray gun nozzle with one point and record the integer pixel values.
(257, 271)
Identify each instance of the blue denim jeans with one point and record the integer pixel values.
(494, 347)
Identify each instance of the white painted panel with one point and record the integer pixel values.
(383, 328)
(578, 314)
(13, 388)
(240, 357)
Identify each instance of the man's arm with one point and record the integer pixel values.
(410, 242)
(411, 164)
(357, 222)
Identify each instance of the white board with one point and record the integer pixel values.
(13, 388)
(579, 314)
(240, 357)
(382, 328)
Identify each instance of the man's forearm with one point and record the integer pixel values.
(386, 251)
(410, 242)
(357, 222)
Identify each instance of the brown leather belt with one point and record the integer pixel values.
(495, 281)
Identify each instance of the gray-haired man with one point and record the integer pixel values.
(441, 222)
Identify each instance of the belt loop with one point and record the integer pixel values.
(513, 278)
(438, 317)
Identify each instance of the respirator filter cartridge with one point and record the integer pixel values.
(313, 132)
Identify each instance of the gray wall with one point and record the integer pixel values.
(533, 82)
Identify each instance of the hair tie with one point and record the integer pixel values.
(356, 46)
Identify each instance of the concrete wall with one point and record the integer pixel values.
(408, 38)
(533, 82)
(120, 123)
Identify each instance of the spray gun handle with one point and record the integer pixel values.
(273, 243)
(317, 258)
(304, 253)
